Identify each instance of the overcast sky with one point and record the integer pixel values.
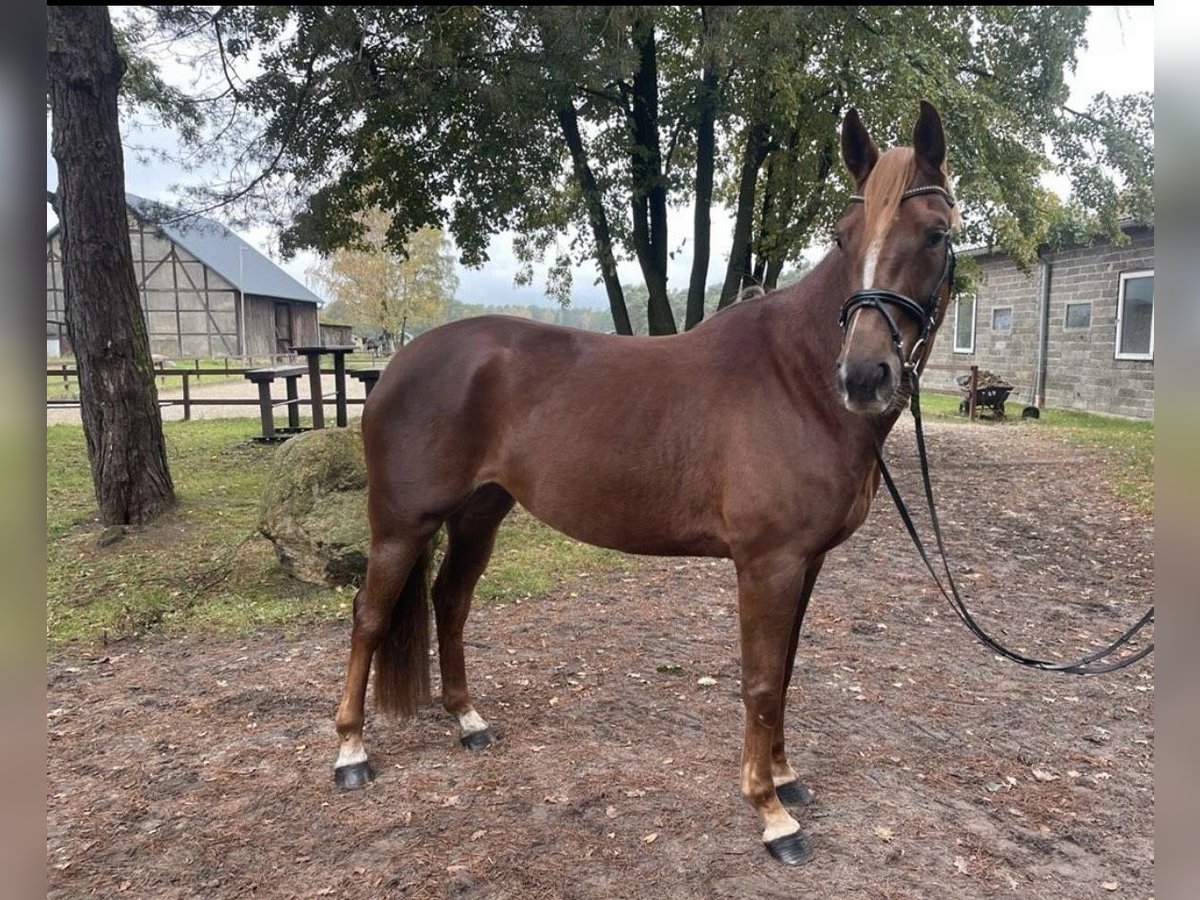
(1118, 59)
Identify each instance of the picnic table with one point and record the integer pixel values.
(313, 355)
(264, 378)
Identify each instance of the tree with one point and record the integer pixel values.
(119, 403)
(382, 288)
(593, 121)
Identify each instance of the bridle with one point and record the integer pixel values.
(879, 299)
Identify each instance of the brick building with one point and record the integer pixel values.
(1075, 332)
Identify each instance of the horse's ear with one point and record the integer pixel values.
(929, 140)
(858, 150)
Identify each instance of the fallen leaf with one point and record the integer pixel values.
(960, 863)
(1043, 775)
(651, 837)
(611, 812)
(1110, 885)
(556, 798)
(706, 681)
(883, 833)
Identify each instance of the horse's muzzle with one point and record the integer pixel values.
(867, 387)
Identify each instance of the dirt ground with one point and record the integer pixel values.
(203, 766)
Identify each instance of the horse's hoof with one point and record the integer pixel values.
(476, 740)
(793, 793)
(353, 776)
(791, 849)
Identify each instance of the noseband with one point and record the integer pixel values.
(876, 298)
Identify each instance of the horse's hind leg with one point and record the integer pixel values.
(788, 787)
(392, 563)
(472, 533)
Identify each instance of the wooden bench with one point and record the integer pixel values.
(263, 378)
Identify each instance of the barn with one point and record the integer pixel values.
(1075, 331)
(205, 292)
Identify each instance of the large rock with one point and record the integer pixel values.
(314, 507)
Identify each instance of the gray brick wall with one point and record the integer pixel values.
(1082, 371)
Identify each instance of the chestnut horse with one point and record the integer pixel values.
(752, 437)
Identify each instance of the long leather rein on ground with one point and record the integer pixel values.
(1091, 664)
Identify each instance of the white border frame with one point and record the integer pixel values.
(1117, 354)
(974, 321)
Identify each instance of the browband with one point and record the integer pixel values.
(913, 192)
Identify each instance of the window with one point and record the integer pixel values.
(1135, 316)
(964, 324)
(1002, 318)
(1079, 315)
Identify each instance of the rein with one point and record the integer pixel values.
(1091, 664)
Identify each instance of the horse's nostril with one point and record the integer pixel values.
(882, 375)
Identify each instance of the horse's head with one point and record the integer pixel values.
(894, 242)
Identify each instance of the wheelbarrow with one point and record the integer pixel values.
(990, 393)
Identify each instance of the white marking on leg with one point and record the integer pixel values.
(471, 722)
(779, 826)
(784, 779)
(351, 753)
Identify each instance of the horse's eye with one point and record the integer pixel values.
(935, 238)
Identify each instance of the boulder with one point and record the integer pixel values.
(314, 507)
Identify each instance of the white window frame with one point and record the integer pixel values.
(1117, 354)
(1011, 319)
(974, 320)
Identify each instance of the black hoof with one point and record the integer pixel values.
(354, 776)
(793, 793)
(476, 740)
(791, 849)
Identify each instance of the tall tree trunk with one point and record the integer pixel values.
(706, 149)
(802, 221)
(569, 120)
(119, 402)
(739, 256)
(649, 200)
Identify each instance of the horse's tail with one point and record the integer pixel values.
(402, 658)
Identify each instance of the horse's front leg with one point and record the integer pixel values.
(791, 791)
(768, 587)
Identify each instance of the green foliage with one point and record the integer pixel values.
(453, 118)
(376, 286)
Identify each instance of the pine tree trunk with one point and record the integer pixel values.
(119, 402)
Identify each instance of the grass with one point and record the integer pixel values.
(1126, 444)
(203, 567)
